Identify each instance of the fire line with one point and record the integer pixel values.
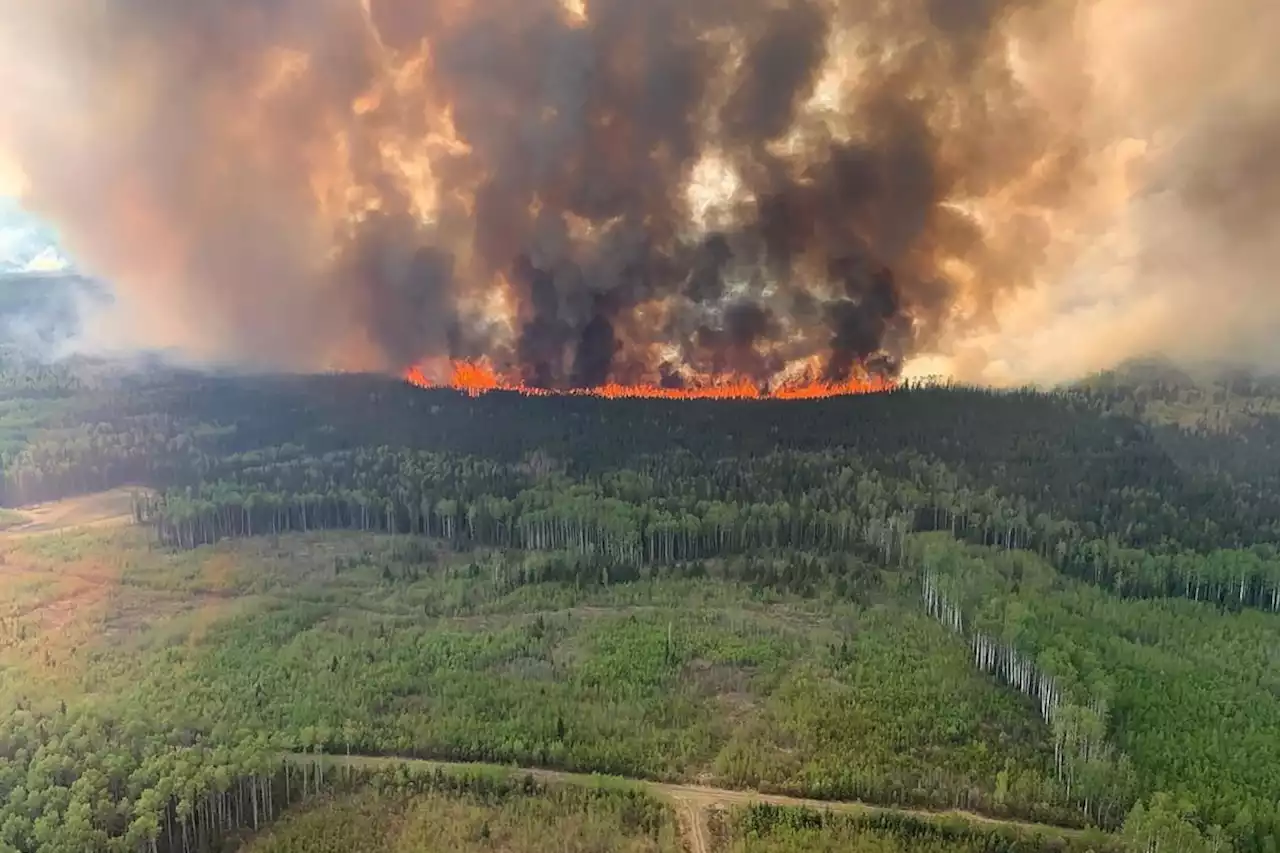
(476, 378)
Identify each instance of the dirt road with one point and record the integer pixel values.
(691, 802)
(102, 509)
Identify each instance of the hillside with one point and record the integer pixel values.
(1030, 607)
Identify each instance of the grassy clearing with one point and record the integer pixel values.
(553, 821)
(675, 680)
(102, 509)
(86, 609)
(373, 644)
(10, 519)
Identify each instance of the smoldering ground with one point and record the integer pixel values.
(603, 191)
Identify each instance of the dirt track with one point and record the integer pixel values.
(102, 509)
(692, 801)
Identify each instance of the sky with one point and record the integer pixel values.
(27, 243)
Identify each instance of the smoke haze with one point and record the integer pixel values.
(1182, 262)
(606, 190)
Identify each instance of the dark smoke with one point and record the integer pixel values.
(252, 173)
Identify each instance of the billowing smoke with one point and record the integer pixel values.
(590, 191)
(1180, 246)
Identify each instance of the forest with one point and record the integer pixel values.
(1045, 608)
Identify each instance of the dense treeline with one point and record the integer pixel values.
(74, 780)
(677, 507)
(1087, 766)
(1063, 456)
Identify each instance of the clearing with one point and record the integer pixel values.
(101, 509)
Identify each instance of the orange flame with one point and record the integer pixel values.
(478, 377)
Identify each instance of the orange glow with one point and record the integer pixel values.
(477, 377)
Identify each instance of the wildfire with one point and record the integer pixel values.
(476, 377)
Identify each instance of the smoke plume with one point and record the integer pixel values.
(1179, 249)
(582, 191)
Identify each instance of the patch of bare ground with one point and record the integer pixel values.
(58, 595)
(693, 824)
(101, 509)
(728, 685)
(528, 669)
(44, 631)
(159, 617)
(718, 679)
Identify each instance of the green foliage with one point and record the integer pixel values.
(752, 694)
(78, 780)
(741, 591)
(1188, 691)
(879, 715)
(567, 818)
(1163, 824)
(778, 829)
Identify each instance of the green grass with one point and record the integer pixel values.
(561, 820)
